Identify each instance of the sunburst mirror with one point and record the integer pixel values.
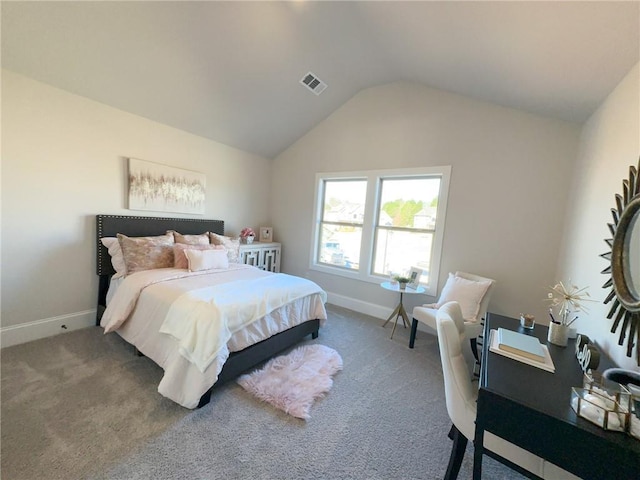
(624, 269)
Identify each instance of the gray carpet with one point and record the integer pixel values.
(82, 405)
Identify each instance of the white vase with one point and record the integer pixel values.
(558, 334)
(248, 240)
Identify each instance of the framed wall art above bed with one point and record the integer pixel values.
(161, 188)
(150, 306)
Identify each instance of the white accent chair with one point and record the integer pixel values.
(472, 292)
(461, 396)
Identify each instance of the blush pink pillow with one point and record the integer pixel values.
(202, 239)
(180, 259)
(146, 253)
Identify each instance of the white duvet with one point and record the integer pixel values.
(189, 322)
(203, 320)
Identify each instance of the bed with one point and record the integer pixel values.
(186, 381)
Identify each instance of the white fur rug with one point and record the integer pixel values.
(292, 382)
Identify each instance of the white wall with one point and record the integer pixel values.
(609, 144)
(510, 180)
(63, 162)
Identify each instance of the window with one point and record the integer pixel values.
(370, 225)
(341, 220)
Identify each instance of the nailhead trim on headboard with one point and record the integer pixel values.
(138, 226)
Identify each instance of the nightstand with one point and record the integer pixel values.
(264, 255)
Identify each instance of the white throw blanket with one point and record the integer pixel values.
(203, 320)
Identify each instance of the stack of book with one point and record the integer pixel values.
(521, 347)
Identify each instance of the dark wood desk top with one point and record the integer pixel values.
(544, 422)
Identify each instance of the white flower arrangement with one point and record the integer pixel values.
(570, 300)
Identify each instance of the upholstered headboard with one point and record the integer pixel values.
(134, 226)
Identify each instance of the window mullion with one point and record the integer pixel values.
(368, 228)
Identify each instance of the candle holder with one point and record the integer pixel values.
(527, 321)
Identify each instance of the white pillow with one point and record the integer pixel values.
(117, 258)
(206, 259)
(180, 259)
(468, 293)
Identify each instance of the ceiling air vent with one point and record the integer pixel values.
(313, 83)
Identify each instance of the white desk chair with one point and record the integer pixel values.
(461, 396)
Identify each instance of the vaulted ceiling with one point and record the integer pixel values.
(230, 71)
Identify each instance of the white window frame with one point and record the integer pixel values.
(374, 178)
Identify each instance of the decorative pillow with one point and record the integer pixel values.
(180, 259)
(117, 258)
(201, 239)
(146, 253)
(468, 293)
(206, 259)
(232, 245)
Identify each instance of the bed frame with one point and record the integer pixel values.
(134, 226)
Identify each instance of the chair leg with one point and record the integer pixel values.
(457, 453)
(412, 336)
(474, 349)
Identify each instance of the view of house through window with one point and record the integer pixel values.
(342, 219)
(375, 224)
(406, 223)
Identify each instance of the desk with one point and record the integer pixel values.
(399, 310)
(530, 408)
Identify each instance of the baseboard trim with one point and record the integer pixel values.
(367, 308)
(47, 327)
